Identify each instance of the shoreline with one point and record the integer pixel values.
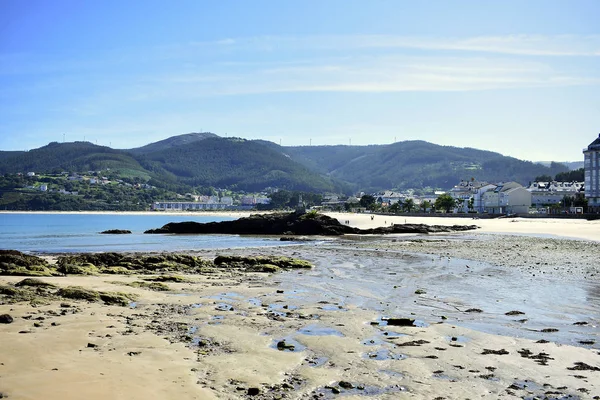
(559, 228)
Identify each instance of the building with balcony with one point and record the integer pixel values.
(591, 165)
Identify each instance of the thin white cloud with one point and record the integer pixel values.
(533, 45)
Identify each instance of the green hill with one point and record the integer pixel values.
(237, 164)
(204, 159)
(415, 164)
(173, 141)
(75, 156)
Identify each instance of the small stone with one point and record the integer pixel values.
(346, 385)
(92, 345)
(253, 391)
(6, 319)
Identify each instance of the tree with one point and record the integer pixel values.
(409, 205)
(367, 201)
(577, 175)
(471, 203)
(395, 208)
(543, 178)
(445, 202)
(425, 205)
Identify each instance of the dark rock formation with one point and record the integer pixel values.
(116, 232)
(296, 224)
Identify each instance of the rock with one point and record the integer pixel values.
(401, 322)
(500, 352)
(253, 391)
(78, 293)
(6, 319)
(260, 263)
(92, 345)
(345, 385)
(116, 232)
(297, 223)
(282, 345)
(13, 262)
(514, 312)
(117, 298)
(34, 282)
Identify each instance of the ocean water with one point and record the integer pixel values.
(74, 233)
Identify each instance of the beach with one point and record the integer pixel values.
(343, 324)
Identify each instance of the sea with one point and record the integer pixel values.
(50, 233)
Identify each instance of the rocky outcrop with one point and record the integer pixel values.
(116, 232)
(296, 224)
(264, 224)
(13, 262)
(260, 263)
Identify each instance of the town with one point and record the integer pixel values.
(574, 192)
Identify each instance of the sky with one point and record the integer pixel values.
(518, 77)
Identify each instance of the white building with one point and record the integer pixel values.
(591, 165)
(186, 206)
(507, 198)
(391, 197)
(467, 190)
(549, 193)
(44, 188)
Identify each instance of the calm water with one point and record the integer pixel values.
(64, 233)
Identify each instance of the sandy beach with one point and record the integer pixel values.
(218, 335)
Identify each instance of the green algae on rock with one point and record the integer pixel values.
(13, 262)
(261, 263)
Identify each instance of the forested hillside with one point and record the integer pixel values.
(416, 164)
(237, 164)
(201, 160)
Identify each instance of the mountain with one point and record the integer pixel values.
(178, 163)
(172, 142)
(235, 163)
(415, 164)
(205, 159)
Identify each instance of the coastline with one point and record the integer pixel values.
(559, 228)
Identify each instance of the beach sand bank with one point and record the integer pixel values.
(568, 228)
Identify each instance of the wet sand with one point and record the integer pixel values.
(217, 336)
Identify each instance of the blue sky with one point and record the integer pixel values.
(518, 77)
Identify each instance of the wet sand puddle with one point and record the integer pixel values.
(400, 296)
(471, 294)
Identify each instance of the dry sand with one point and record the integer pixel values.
(215, 337)
(569, 228)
